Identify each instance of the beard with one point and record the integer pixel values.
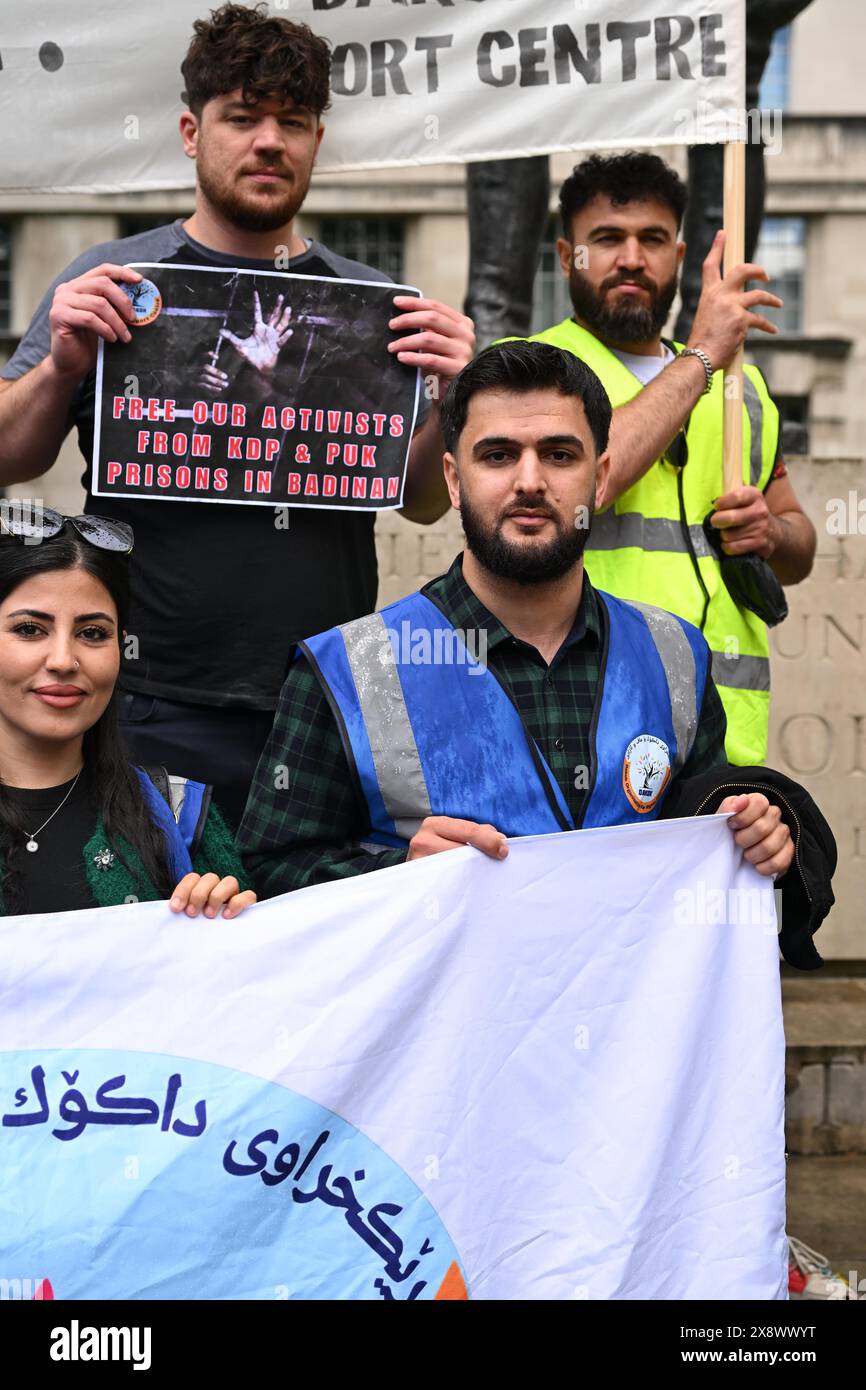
(265, 211)
(622, 322)
(532, 563)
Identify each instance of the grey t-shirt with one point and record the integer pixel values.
(220, 595)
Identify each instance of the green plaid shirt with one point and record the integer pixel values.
(304, 819)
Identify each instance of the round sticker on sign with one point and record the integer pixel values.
(145, 299)
(646, 771)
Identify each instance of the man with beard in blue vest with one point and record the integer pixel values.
(508, 697)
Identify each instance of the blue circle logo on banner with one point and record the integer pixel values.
(140, 1175)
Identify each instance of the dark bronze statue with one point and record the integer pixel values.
(508, 202)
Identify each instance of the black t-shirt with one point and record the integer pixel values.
(220, 593)
(54, 877)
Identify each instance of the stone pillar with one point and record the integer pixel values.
(43, 245)
(437, 255)
(818, 700)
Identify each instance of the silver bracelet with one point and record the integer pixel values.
(705, 363)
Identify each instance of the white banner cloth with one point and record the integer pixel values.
(92, 91)
(567, 1067)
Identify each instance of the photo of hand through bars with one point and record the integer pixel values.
(257, 387)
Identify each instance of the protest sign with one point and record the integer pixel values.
(556, 1077)
(257, 387)
(95, 97)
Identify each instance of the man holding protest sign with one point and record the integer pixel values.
(246, 583)
(509, 697)
(621, 253)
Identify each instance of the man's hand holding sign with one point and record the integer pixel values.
(727, 309)
(90, 307)
(440, 340)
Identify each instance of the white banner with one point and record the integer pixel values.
(92, 90)
(558, 1077)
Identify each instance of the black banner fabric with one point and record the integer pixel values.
(258, 387)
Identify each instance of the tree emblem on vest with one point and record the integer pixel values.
(646, 771)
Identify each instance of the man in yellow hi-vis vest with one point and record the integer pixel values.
(621, 253)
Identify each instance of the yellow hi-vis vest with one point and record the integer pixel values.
(641, 547)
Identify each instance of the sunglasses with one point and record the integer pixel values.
(40, 524)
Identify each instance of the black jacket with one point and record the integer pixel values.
(806, 892)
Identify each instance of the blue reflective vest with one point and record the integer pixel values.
(429, 730)
(180, 815)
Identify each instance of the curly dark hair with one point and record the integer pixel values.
(267, 58)
(624, 178)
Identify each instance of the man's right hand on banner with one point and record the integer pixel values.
(439, 833)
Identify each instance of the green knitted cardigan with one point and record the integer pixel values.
(114, 882)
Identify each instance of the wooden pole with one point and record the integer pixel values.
(734, 215)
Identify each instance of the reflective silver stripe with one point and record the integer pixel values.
(177, 794)
(678, 661)
(755, 412)
(741, 672)
(380, 694)
(613, 530)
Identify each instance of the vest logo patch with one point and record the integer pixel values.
(646, 771)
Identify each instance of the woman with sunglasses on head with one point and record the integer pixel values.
(79, 825)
